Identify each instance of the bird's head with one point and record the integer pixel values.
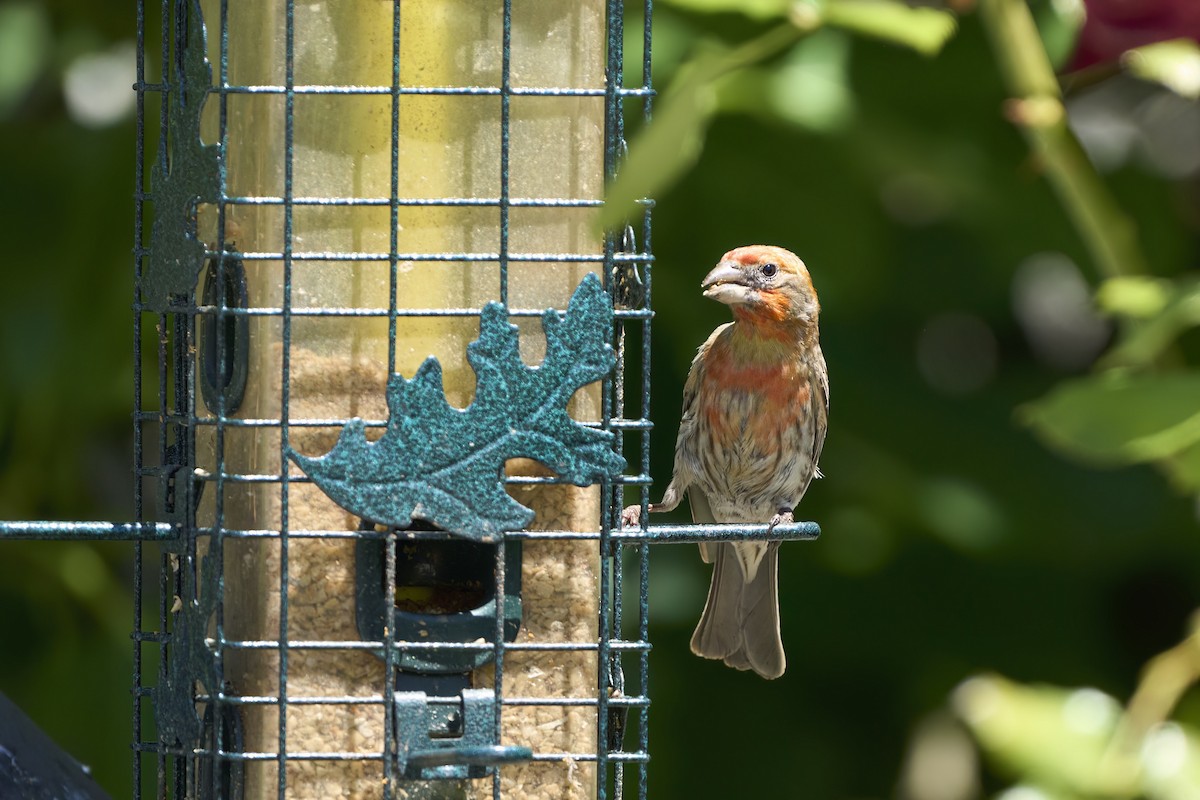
(764, 285)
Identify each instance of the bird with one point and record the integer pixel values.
(755, 412)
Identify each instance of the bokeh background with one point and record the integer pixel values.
(955, 290)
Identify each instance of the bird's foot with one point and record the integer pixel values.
(784, 517)
(631, 516)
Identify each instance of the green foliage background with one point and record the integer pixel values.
(954, 542)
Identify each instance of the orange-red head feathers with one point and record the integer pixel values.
(765, 286)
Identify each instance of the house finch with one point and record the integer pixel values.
(754, 418)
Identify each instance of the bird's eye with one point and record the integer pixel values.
(769, 270)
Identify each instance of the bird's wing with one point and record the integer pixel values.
(702, 515)
(684, 473)
(701, 510)
(691, 387)
(820, 406)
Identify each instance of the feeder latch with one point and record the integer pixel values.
(442, 589)
(431, 745)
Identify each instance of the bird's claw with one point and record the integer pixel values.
(631, 516)
(782, 518)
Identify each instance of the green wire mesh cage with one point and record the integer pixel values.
(384, 180)
(381, 431)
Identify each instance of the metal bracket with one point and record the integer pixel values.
(463, 746)
(627, 288)
(224, 340)
(618, 715)
(179, 491)
(224, 779)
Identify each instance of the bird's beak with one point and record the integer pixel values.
(726, 284)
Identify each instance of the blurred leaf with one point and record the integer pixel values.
(961, 514)
(1058, 24)
(811, 87)
(24, 45)
(1046, 735)
(758, 9)
(1137, 296)
(1171, 763)
(1119, 419)
(1173, 307)
(1025, 791)
(1183, 468)
(923, 29)
(675, 139)
(663, 151)
(1174, 64)
(675, 36)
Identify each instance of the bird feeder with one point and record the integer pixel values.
(387, 172)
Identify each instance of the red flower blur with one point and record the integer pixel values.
(1114, 26)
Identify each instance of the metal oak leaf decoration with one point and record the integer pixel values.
(445, 465)
(187, 172)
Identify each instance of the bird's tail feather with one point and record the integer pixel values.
(740, 623)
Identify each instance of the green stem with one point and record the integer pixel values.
(1037, 109)
(755, 51)
(665, 150)
(1163, 682)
